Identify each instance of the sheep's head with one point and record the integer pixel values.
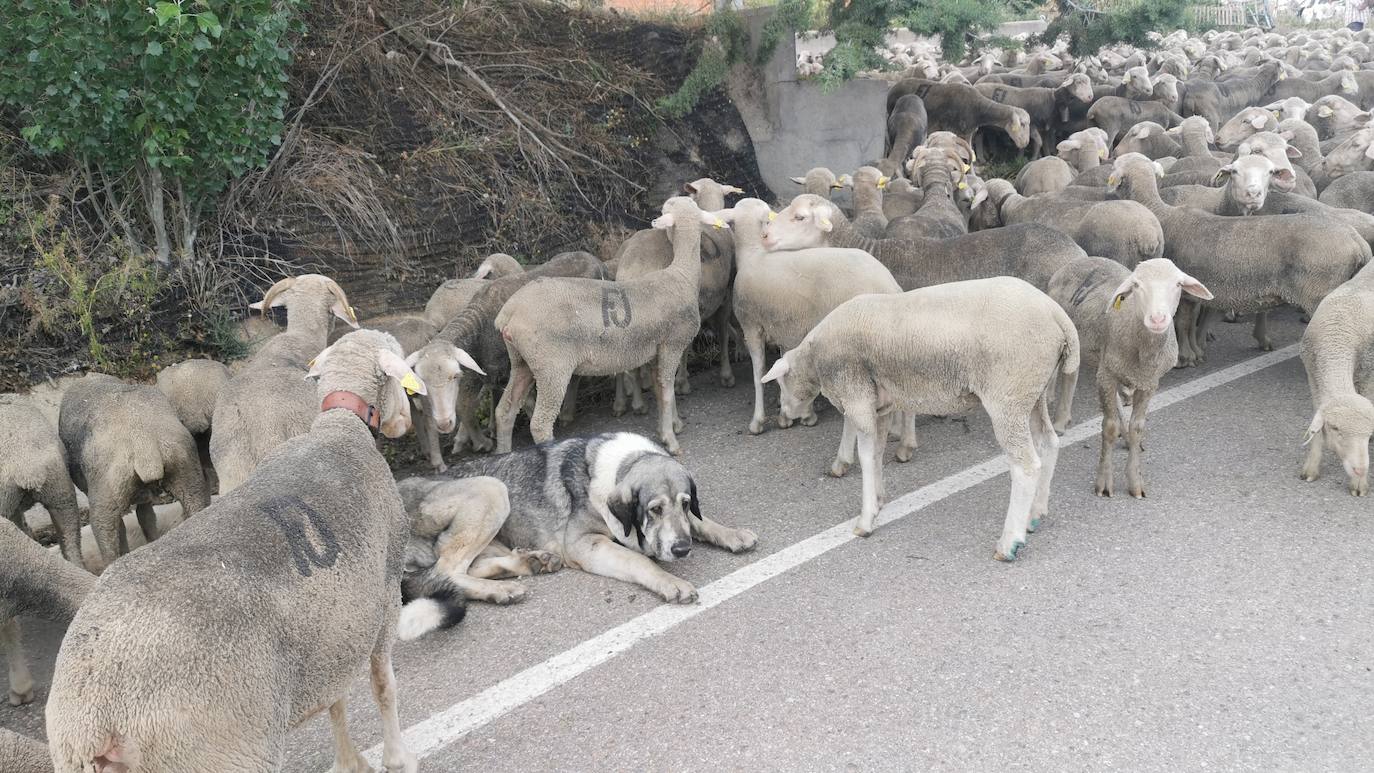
(987, 201)
(439, 365)
(1348, 83)
(1333, 114)
(1354, 155)
(707, 193)
(806, 222)
(368, 363)
(953, 142)
(308, 290)
(1131, 173)
(1247, 180)
(1276, 149)
(1153, 290)
(1138, 84)
(1244, 124)
(1291, 108)
(1137, 139)
(1080, 87)
(497, 265)
(680, 211)
(1018, 126)
(1346, 423)
(797, 381)
(869, 175)
(819, 181)
(1165, 89)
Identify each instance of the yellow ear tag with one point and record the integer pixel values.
(1278, 114)
(1113, 180)
(1116, 304)
(966, 168)
(310, 364)
(719, 224)
(825, 222)
(962, 185)
(772, 216)
(836, 187)
(1101, 152)
(410, 384)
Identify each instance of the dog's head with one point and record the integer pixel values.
(654, 500)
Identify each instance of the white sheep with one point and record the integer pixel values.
(1336, 350)
(33, 468)
(943, 350)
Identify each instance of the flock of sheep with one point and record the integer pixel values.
(1226, 174)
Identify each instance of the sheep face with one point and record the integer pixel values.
(806, 222)
(1244, 124)
(1346, 423)
(1166, 90)
(1248, 179)
(1354, 155)
(1019, 127)
(439, 366)
(1333, 114)
(1153, 290)
(797, 383)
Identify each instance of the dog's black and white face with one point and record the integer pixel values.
(655, 500)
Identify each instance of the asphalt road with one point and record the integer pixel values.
(1222, 623)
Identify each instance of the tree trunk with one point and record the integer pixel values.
(157, 213)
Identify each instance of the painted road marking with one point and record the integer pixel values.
(453, 723)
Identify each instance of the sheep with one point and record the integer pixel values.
(812, 282)
(1083, 150)
(964, 110)
(451, 296)
(1114, 115)
(818, 181)
(1335, 115)
(943, 350)
(193, 386)
(1046, 107)
(1148, 139)
(33, 468)
(1335, 350)
(1125, 321)
(1032, 252)
(661, 328)
(284, 587)
(1214, 100)
(1044, 175)
(1291, 108)
(267, 401)
(33, 583)
(1312, 90)
(906, 129)
(900, 198)
(1354, 155)
(1351, 191)
(939, 216)
(123, 443)
(23, 755)
(1121, 230)
(867, 184)
(1250, 264)
(1164, 89)
(1197, 157)
(454, 394)
(1245, 123)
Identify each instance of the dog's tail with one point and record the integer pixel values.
(431, 601)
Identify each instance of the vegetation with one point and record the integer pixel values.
(1129, 21)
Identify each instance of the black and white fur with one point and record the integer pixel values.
(609, 504)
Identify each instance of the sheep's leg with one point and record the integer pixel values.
(1261, 331)
(668, 360)
(470, 434)
(427, 432)
(1013, 431)
(21, 681)
(753, 341)
(147, 521)
(1036, 142)
(1063, 408)
(722, 319)
(186, 484)
(109, 503)
(521, 379)
(844, 456)
(1312, 464)
(622, 393)
(1111, 430)
(1135, 434)
(643, 380)
(396, 758)
(1047, 446)
(568, 412)
(879, 449)
(346, 756)
(1183, 331)
(1200, 331)
(58, 496)
(908, 444)
(865, 426)
(550, 387)
(681, 384)
(10, 500)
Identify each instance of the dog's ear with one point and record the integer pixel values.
(695, 504)
(624, 511)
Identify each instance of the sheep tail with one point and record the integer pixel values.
(147, 460)
(1068, 356)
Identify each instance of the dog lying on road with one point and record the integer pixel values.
(607, 504)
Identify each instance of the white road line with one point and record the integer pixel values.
(453, 723)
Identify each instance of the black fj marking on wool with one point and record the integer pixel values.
(615, 307)
(290, 513)
(1135, 108)
(999, 94)
(1081, 294)
(1224, 90)
(922, 90)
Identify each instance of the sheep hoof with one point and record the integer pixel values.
(672, 445)
(727, 380)
(1266, 346)
(810, 420)
(859, 531)
(784, 422)
(1008, 556)
(838, 468)
(408, 763)
(641, 410)
(20, 698)
(617, 410)
(756, 427)
(904, 454)
(1061, 426)
(1358, 488)
(440, 467)
(1033, 525)
(355, 765)
(1309, 476)
(1138, 492)
(1103, 491)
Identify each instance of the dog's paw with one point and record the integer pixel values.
(505, 592)
(541, 561)
(740, 541)
(677, 591)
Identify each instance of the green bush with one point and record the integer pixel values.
(1127, 22)
(159, 106)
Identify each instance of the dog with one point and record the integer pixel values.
(611, 505)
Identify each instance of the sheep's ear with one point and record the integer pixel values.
(482, 271)
(1313, 428)
(979, 196)
(729, 189)
(1285, 179)
(395, 367)
(1259, 121)
(1223, 174)
(1325, 111)
(1290, 135)
(663, 222)
(1142, 132)
(845, 181)
(1123, 291)
(465, 360)
(1194, 287)
(413, 358)
(1159, 169)
(345, 313)
(798, 180)
(689, 189)
(317, 364)
(779, 369)
(823, 221)
(721, 219)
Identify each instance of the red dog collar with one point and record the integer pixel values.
(357, 405)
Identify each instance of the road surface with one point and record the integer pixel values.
(1224, 622)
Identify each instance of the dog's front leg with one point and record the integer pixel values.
(599, 554)
(720, 535)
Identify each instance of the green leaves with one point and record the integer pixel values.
(165, 12)
(154, 48)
